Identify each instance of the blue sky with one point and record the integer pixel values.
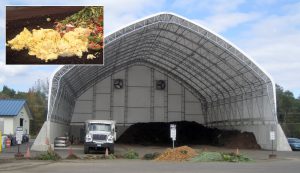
(268, 31)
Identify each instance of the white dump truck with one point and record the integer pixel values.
(100, 135)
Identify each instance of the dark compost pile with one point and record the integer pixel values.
(188, 133)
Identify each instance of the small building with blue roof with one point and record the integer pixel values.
(14, 113)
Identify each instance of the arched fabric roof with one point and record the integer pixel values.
(212, 68)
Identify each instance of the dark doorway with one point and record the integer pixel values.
(21, 122)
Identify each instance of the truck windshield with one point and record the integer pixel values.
(99, 127)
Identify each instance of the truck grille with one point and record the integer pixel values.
(99, 137)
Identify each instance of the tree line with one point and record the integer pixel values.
(287, 105)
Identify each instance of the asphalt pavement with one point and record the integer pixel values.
(286, 162)
(138, 166)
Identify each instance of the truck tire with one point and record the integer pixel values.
(86, 150)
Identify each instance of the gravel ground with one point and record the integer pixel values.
(285, 162)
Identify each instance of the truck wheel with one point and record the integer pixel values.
(86, 150)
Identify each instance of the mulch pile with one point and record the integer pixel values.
(188, 133)
(182, 153)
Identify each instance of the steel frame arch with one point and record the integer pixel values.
(56, 88)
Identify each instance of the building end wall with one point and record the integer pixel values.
(49, 131)
(40, 143)
(282, 142)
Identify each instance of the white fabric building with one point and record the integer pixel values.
(207, 79)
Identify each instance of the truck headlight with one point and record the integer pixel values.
(110, 138)
(88, 138)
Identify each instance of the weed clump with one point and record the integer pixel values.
(48, 155)
(131, 154)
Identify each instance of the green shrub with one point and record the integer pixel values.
(232, 157)
(131, 154)
(49, 155)
(151, 156)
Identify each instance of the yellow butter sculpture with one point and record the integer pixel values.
(47, 44)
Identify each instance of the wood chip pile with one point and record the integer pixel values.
(177, 154)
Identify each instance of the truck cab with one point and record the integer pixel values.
(99, 135)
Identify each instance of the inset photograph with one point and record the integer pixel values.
(54, 35)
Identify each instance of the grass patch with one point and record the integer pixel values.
(217, 156)
(208, 157)
(131, 154)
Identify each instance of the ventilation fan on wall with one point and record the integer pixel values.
(160, 84)
(118, 83)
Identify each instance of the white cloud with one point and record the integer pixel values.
(221, 6)
(211, 6)
(2, 79)
(273, 41)
(292, 8)
(10, 72)
(24, 79)
(2, 23)
(120, 13)
(223, 22)
(264, 2)
(219, 15)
